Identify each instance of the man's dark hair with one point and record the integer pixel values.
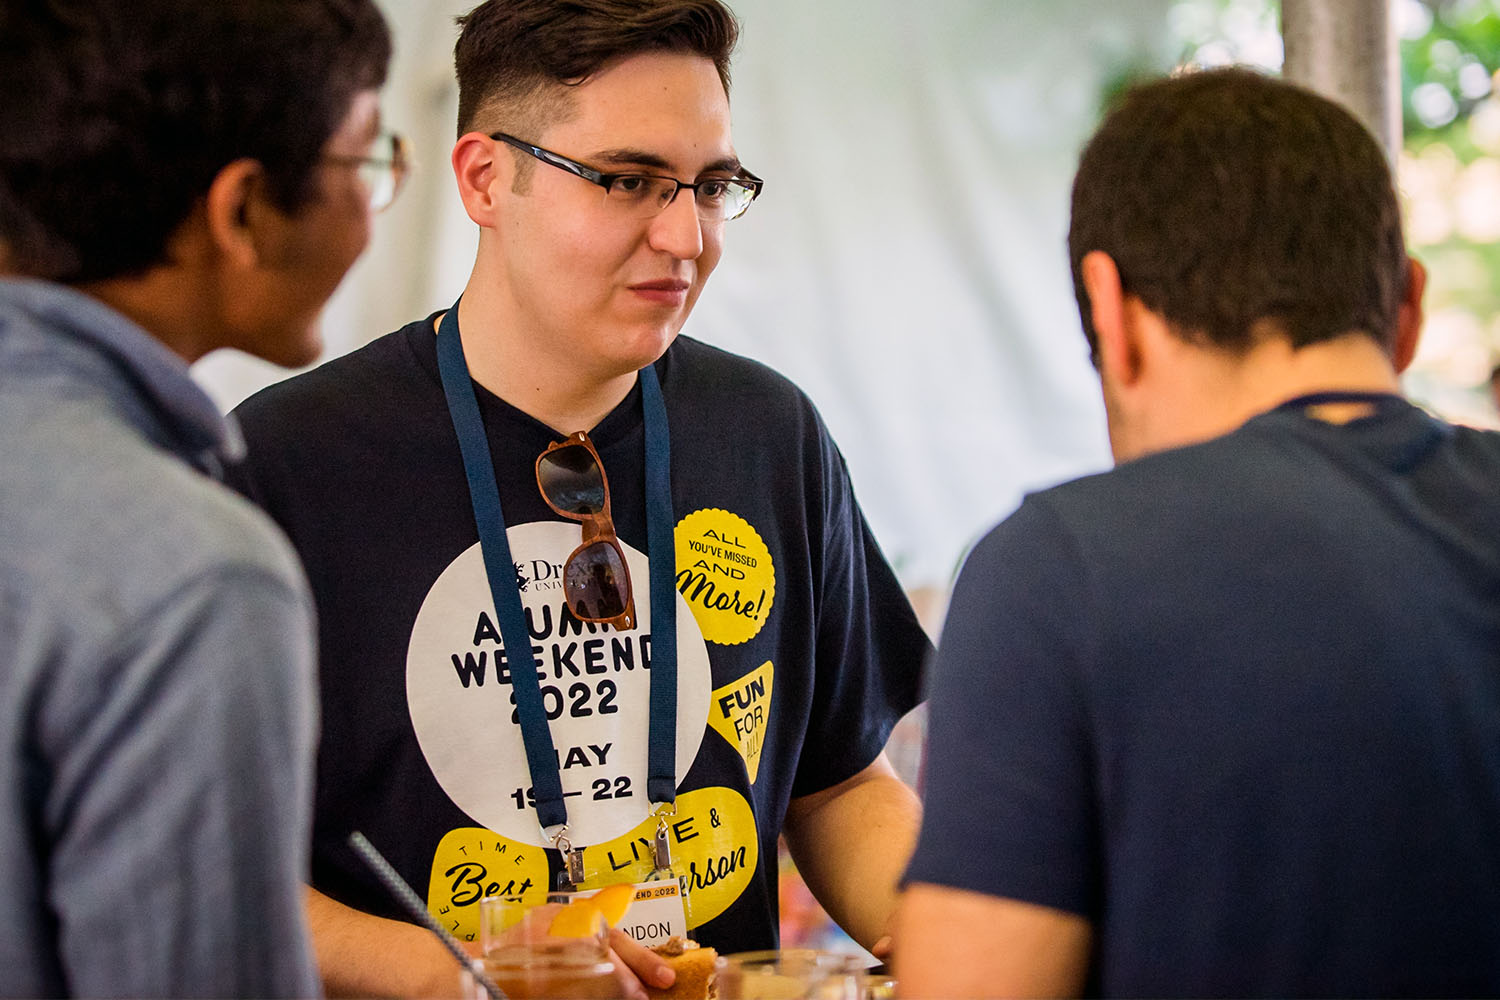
(117, 116)
(514, 51)
(1234, 204)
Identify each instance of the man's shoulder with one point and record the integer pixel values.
(1477, 441)
(725, 394)
(113, 526)
(1174, 478)
(699, 368)
(1147, 502)
(1259, 485)
(342, 384)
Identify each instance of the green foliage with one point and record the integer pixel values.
(1450, 175)
(1450, 69)
(1460, 35)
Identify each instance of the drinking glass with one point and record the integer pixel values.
(790, 974)
(527, 961)
(877, 984)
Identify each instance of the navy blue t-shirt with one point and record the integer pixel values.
(1238, 705)
(797, 649)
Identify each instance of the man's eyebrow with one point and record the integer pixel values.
(652, 161)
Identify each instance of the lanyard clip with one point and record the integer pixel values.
(572, 874)
(661, 847)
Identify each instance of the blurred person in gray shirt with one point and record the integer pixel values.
(175, 177)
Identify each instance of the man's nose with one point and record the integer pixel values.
(678, 230)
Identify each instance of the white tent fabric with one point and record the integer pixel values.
(906, 265)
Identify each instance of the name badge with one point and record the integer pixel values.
(656, 912)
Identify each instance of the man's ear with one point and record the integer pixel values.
(1119, 354)
(234, 201)
(1409, 316)
(480, 170)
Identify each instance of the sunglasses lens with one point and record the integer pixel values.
(596, 583)
(571, 480)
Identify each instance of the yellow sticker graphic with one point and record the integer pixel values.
(715, 848)
(724, 572)
(739, 711)
(472, 862)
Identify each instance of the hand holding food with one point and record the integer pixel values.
(696, 969)
(693, 966)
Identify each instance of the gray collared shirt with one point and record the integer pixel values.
(157, 696)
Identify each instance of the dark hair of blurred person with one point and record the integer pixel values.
(176, 176)
(115, 127)
(1239, 207)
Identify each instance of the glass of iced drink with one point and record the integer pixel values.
(527, 959)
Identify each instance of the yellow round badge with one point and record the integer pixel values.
(724, 572)
(471, 863)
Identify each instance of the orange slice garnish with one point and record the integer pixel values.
(576, 920)
(582, 917)
(613, 902)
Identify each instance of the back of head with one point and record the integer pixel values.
(513, 57)
(1237, 205)
(118, 115)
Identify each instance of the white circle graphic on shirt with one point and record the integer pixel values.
(595, 685)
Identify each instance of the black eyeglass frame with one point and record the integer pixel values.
(744, 178)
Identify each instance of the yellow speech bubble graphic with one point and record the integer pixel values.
(725, 574)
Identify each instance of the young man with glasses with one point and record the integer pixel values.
(175, 177)
(716, 647)
(1223, 721)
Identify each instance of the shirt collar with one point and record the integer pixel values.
(155, 372)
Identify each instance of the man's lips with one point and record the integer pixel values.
(669, 291)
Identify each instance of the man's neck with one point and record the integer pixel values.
(1210, 393)
(565, 393)
(1273, 373)
(164, 302)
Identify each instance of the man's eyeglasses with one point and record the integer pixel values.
(718, 199)
(596, 580)
(382, 173)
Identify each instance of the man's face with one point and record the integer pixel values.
(591, 282)
(307, 253)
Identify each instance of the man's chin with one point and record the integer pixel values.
(292, 353)
(648, 346)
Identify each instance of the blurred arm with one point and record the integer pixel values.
(179, 800)
(952, 943)
(851, 843)
(362, 955)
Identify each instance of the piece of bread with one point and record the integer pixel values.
(696, 971)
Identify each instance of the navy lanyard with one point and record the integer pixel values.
(484, 494)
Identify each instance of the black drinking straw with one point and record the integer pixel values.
(408, 898)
